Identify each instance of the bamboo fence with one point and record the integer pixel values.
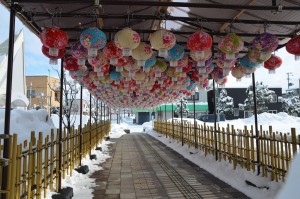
(238, 146)
(33, 165)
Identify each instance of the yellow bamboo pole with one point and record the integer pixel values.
(56, 160)
(234, 156)
(294, 141)
(30, 174)
(24, 177)
(13, 166)
(64, 151)
(282, 156)
(253, 149)
(19, 170)
(51, 160)
(228, 143)
(247, 149)
(46, 165)
(39, 166)
(72, 151)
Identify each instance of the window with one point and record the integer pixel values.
(272, 111)
(236, 112)
(274, 98)
(33, 93)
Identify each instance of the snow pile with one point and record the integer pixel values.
(74, 119)
(117, 130)
(23, 122)
(82, 184)
(290, 188)
(281, 122)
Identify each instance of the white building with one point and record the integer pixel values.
(18, 84)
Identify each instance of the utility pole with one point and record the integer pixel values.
(288, 78)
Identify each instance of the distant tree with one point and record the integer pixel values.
(181, 109)
(290, 103)
(70, 90)
(263, 97)
(225, 103)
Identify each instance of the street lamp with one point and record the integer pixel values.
(30, 93)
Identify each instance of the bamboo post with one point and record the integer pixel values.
(51, 159)
(223, 144)
(19, 169)
(57, 171)
(33, 180)
(266, 156)
(247, 149)
(46, 165)
(13, 166)
(294, 141)
(272, 153)
(72, 151)
(205, 139)
(219, 143)
(24, 178)
(30, 174)
(234, 147)
(228, 143)
(276, 153)
(252, 148)
(63, 153)
(282, 156)
(39, 166)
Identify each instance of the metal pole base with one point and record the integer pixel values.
(65, 193)
(83, 169)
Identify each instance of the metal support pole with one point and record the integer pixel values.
(256, 125)
(104, 107)
(60, 124)
(80, 127)
(90, 124)
(160, 115)
(8, 97)
(173, 122)
(97, 112)
(181, 122)
(195, 125)
(101, 111)
(215, 121)
(166, 120)
(110, 114)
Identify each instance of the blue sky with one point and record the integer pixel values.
(37, 64)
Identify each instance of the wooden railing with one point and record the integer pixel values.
(33, 165)
(238, 146)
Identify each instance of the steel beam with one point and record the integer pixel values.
(170, 18)
(160, 3)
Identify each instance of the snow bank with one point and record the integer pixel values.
(82, 184)
(74, 118)
(117, 131)
(291, 186)
(281, 122)
(23, 122)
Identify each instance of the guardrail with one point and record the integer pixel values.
(238, 146)
(33, 165)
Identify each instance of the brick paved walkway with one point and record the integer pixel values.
(142, 168)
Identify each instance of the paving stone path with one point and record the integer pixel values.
(141, 167)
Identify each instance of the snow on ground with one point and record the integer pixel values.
(281, 122)
(236, 178)
(23, 122)
(82, 184)
(75, 118)
(128, 123)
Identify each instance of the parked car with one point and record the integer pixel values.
(211, 118)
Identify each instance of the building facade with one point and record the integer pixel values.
(43, 91)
